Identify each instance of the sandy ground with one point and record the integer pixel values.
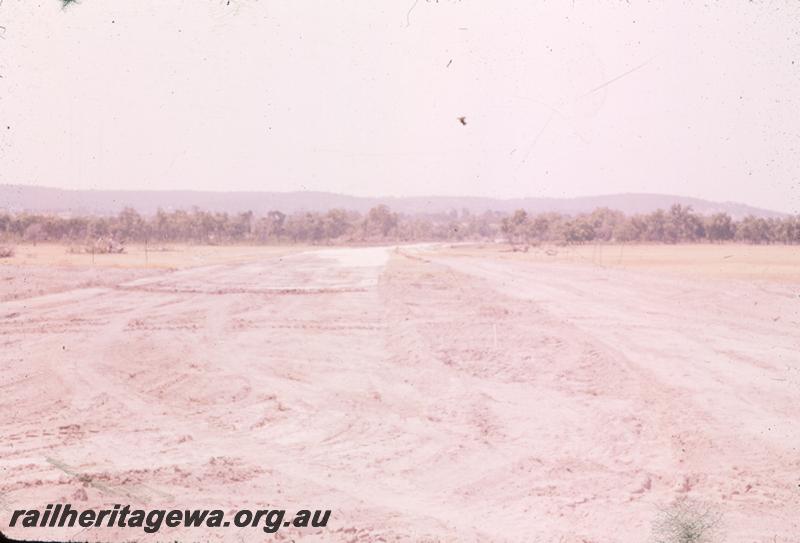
(421, 394)
(139, 256)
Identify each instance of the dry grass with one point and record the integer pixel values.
(729, 261)
(165, 257)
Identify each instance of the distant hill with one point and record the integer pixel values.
(17, 198)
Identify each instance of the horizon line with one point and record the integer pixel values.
(350, 195)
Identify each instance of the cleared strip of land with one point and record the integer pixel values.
(448, 393)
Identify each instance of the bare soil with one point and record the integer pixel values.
(422, 393)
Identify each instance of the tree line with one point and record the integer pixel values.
(679, 224)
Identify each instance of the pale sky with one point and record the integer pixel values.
(363, 97)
